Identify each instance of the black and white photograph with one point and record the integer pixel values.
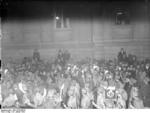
(75, 54)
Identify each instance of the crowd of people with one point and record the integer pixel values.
(86, 84)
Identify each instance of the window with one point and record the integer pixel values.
(121, 17)
(61, 20)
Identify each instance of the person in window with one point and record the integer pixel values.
(122, 56)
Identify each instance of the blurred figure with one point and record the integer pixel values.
(122, 56)
(10, 101)
(87, 97)
(36, 55)
(135, 102)
(66, 56)
(147, 68)
(100, 98)
(0, 95)
(74, 95)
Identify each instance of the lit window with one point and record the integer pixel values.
(61, 20)
(121, 17)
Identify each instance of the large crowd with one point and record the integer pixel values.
(33, 83)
